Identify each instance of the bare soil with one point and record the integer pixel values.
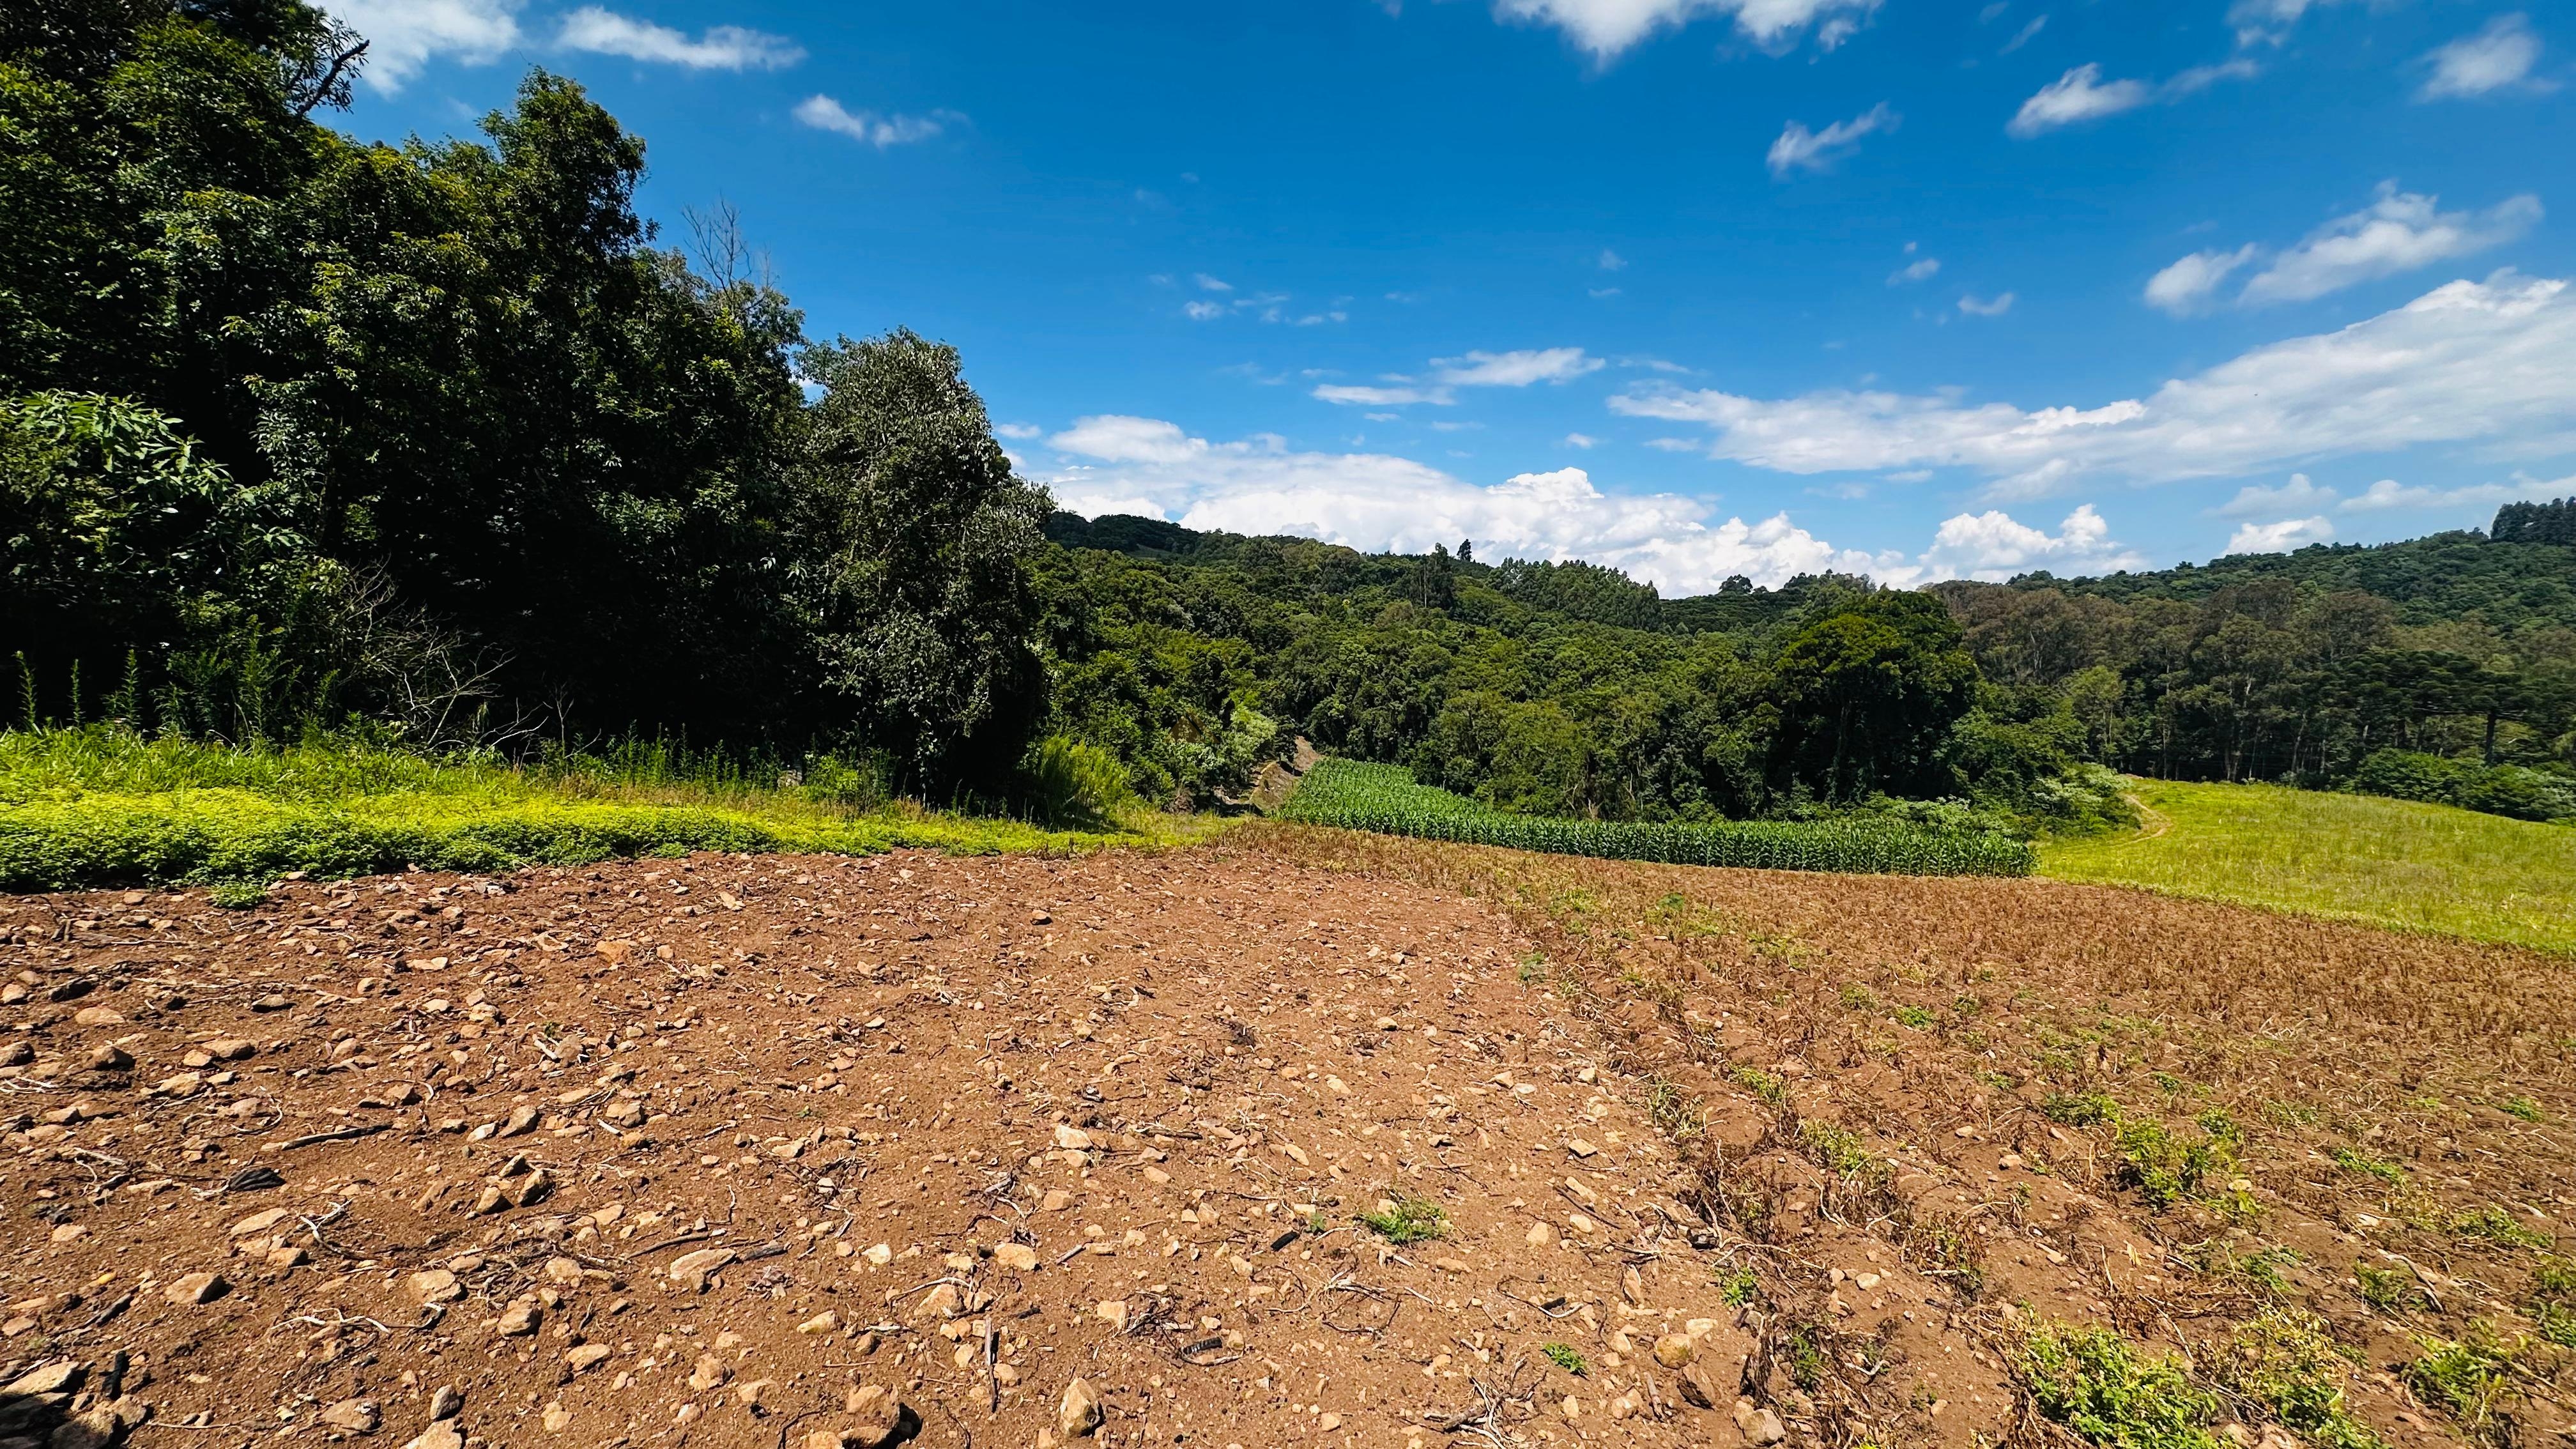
(696, 1151)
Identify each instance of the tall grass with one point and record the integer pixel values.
(1385, 799)
(100, 805)
(2348, 857)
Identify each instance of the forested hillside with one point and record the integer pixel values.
(444, 445)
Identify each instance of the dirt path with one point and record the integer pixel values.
(699, 1151)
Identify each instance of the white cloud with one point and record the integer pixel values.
(1801, 149)
(1978, 307)
(1207, 283)
(1018, 430)
(1992, 546)
(722, 47)
(2023, 37)
(2299, 495)
(2082, 95)
(2281, 537)
(2389, 493)
(2188, 284)
(405, 35)
(2268, 21)
(2482, 362)
(1606, 27)
(2499, 57)
(1202, 311)
(1580, 440)
(1611, 261)
(1516, 369)
(1378, 501)
(826, 114)
(2398, 232)
(1385, 397)
(1914, 271)
(2078, 95)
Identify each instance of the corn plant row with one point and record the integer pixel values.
(1386, 800)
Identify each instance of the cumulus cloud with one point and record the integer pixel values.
(1976, 306)
(2299, 495)
(826, 114)
(1992, 546)
(1202, 311)
(723, 47)
(2398, 232)
(1605, 28)
(2082, 95)
(2281, 537)
(1611, 261)
(1377, 501)
(2189, 284)
(1516, 369)
(403, 36)
(2497, 58)
(1915, 271)
(1800, 149)
(2482, 362)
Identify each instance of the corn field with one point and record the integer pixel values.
(1386, 800)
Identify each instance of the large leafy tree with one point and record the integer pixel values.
(1868, 695)
(916, 539)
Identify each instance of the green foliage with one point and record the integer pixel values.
(2080, 1109)
(2386, 1289)
(2093, 1382)
(2286, 1362)
(1380, 798)
(2353, 1159)
(2496, 1224)
(1074, 784)
(2168, 1168)
(1739, 1287)
(1841, 1149)
(99, 807)
(1913, 1016)
(237, 895)
(1406, 1219)
(1765, 1085)
(1564, 1356)
(2522, 1107)
(2470, 1379)
(2535, 522)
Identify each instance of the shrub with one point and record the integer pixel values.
(1406, 1219)
(2285, 1361)
(1073, 784)
(2093, 1382)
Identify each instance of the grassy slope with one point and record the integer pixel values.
(92, 807)
(2348, 857)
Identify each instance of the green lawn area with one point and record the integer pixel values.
(2350, 857)
(96, 806)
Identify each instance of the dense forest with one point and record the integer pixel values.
(444, 444)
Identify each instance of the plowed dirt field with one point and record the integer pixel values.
(1302, 1138)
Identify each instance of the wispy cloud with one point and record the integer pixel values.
(2024, 36)
(1605, 28)
(2499, 57)
(881, 131)
(1516, 369)
(2082, 95)
(723, 47)
(1799, 149)
(1402, 395)
(1995, 306)
(2398, 232)
(2468, 362)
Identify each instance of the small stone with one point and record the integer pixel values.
(1673, 1350)
(182, 1084)
(1329, 1422)
(1699, 1387)
(879, 1253)
(1758, 1426)
(520, 1318)
(259, 1222)
(287, 1257)
(1541, 1235)
(440, 1435)
(1056, 1200)
(1080, 1413)
(62, 1376)
(70, 1233)
(1072, 1139)
(1113, 1311)
(447, 1403)
(823, 1322)
(563, 1271)
(1579, 1147)
(436, 1285)
(232, 1049)
(272, 1002)
(710, 1373)
(587, 1357)
(691, 1270)
(875, 1418)
(109, 1057)
(1019, 1256)
(556, 1418)
(755, 1394)
(197, 1288)
(357, 1416)
(1572, 1408)
(98, 1016)
(521, 1120)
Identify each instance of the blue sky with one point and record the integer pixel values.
(1692, 287)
